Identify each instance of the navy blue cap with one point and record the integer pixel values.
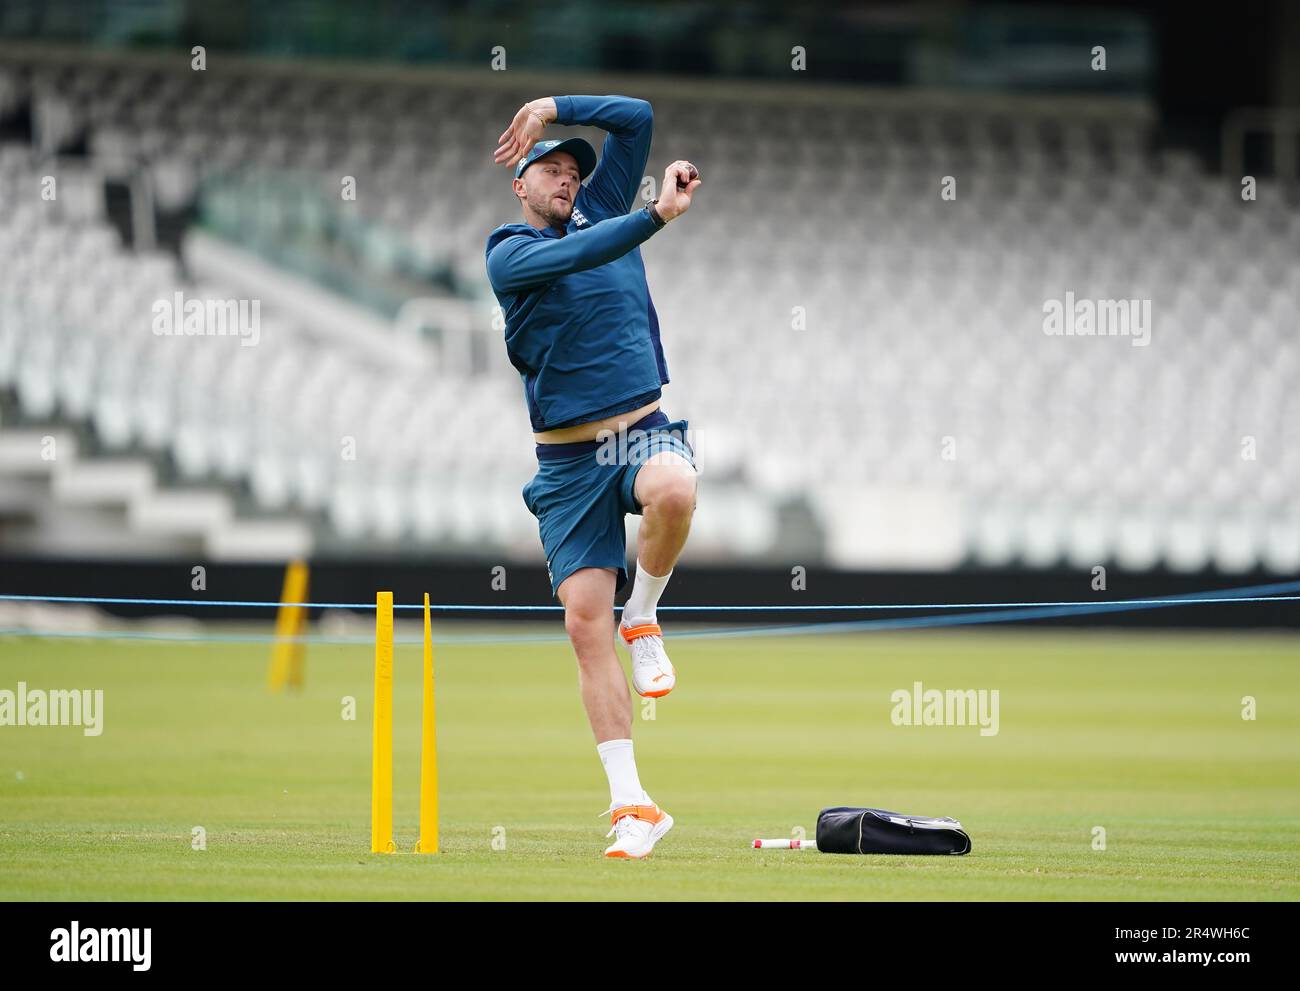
(579, 149)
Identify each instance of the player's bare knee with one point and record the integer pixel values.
(585, 618)
(578, 625)
(675, 496)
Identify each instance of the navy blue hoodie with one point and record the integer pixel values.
(580, 327)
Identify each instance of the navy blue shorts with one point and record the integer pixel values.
(582, 492)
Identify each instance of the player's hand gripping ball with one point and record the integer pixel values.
(695, 174)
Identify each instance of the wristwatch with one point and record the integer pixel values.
(654, 214)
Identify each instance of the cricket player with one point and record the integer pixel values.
(582, 333)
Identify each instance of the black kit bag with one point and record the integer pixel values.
(849, 830)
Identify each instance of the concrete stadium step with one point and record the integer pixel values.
(260, 540)
(35, 451)
(120, 480)
(184, 513)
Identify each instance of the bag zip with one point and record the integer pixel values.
(951, 824)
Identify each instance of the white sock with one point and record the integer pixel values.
(620, 768)
(646, 589)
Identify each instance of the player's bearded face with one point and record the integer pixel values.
(551, 188)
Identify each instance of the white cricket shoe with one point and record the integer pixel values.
(653, 675)
(638, 827)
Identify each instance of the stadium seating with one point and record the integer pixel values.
(842, 337)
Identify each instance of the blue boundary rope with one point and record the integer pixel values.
(997, 612)
(1252, 593)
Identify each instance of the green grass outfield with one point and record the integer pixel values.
(1140, 733)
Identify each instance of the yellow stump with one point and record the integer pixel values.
(428, 842)
(381, 769)
(290, 622)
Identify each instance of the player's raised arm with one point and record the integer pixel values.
(630, 126)
(630, 123)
